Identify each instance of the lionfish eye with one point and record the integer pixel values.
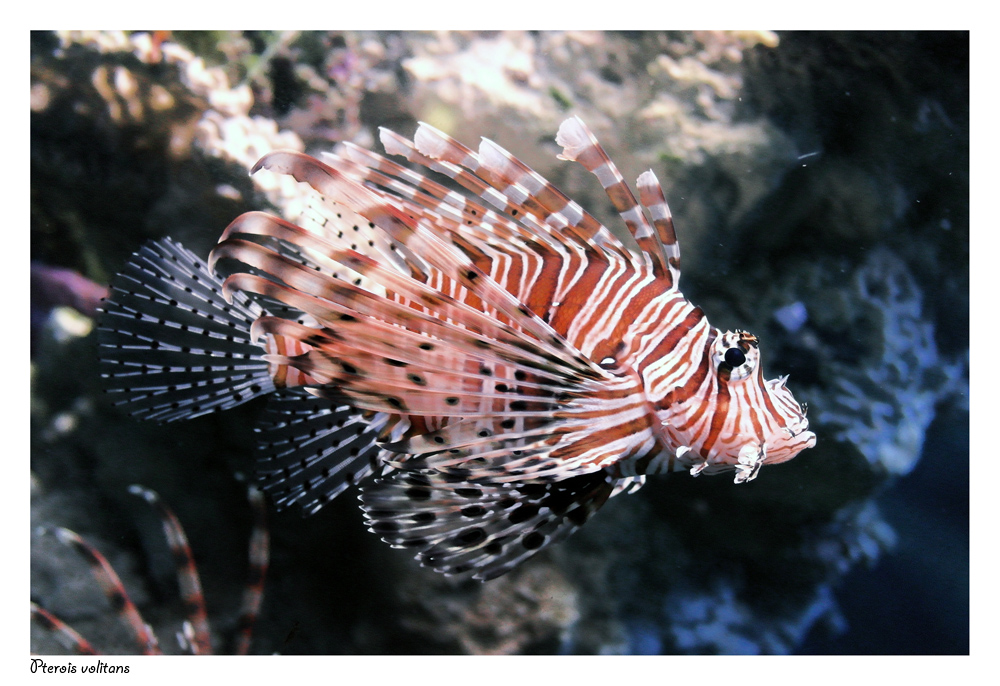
(735, 357)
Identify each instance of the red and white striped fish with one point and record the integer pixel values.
(499, 358)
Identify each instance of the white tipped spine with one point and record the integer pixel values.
(392, 142)
(429, 141)
(574, 137)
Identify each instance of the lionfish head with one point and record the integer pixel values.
(753, 421)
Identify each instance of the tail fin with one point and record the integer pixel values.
(171, 346)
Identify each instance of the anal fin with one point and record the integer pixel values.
(479, 530)
(310, 449)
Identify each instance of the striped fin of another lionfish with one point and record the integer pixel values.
(113, 589)
(477, 530)
(258, 562)
(66, 634)
(196, 636)
(196, 631)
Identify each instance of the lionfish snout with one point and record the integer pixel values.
(754, 421)
(792, 434)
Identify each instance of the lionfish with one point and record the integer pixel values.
(485, 359)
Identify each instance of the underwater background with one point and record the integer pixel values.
(819, 186)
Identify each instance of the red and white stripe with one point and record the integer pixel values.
(514, 286)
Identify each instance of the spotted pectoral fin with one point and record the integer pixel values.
(310, 449)
(479, 530)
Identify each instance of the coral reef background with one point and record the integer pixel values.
(819, 184)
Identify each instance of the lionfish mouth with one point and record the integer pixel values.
(799, 438)
(798, 429)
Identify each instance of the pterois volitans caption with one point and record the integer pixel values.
(486, 360)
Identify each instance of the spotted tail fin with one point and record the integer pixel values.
(479, 530)
(171, 346)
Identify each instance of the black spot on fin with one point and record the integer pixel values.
(310, 449)
(478, 530)
(171, 347)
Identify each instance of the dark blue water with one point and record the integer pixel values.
(916, 599)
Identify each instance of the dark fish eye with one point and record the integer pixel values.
(734, 357)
